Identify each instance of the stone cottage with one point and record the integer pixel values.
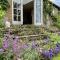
(25, 12)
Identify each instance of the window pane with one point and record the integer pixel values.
(19, 12)
(15, 11)
(15, 4)
(15, 18)
(19, 17)
(19, 6)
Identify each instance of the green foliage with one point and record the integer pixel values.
(2, 57)
(1, 40)
(7, 56)
(47, 8)
(55, 38)
(4, 4)
(2, 14)
(3, 7)
(56, 57)
(57, 21)
(31, 54)
(1, 23)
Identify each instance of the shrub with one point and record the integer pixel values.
(56, 21)
(2, 14)
(55, 37)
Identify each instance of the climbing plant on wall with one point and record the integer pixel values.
(47, 10)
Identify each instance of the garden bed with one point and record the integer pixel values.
(29, 43)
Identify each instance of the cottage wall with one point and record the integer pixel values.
(9, 11)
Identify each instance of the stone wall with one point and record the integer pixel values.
(9, 11)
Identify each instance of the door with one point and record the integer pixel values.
(17, 11)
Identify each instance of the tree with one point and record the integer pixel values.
(4, 4)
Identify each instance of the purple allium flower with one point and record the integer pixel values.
(5, 44)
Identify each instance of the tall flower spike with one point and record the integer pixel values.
(50, 54)
(5, 44)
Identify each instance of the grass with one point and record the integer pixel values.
(56, 57)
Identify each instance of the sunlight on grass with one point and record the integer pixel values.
(56, 57)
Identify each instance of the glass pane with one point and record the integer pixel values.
(38, 11)
(19, 6)
(17, 1)
(19, 12)
(15, 11)
(15, 4)
(15, 18)
(19, 18)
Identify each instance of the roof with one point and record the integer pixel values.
(56, 2)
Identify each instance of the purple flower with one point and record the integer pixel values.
(45, 53)
(58, 44)
(48, 54)
(56, 50)
(1, 50)
(14, 45)
(5, 44)
(16, 38)
(25, 46)
(33, 44)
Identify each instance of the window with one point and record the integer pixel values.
(17, 12)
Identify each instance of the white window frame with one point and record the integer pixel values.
(40, 23)
(17, 22)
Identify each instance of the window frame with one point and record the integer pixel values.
(40, 23)
(17, 22)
